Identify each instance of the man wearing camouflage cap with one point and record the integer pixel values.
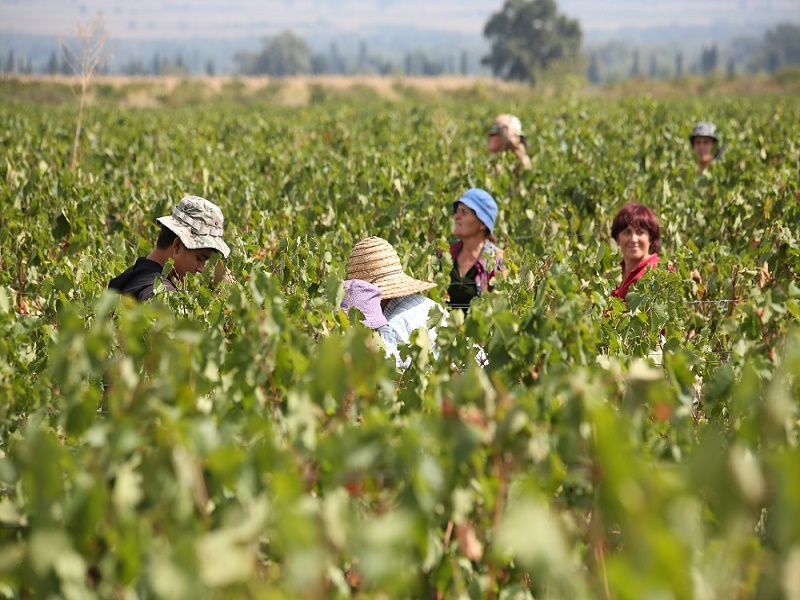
(188, 237)
(704, 139)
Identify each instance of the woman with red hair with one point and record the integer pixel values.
(638, 234)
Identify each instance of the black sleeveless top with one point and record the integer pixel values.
(462, 289)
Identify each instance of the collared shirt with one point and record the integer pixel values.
(478, 279)
(404, 315)
(634, 276)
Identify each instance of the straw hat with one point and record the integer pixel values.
(373, 259)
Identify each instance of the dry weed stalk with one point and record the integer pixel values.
(83, 60)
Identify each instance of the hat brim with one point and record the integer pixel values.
(192, 241)
(713, 137)
(400, 284)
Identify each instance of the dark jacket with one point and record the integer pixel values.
(138, 281)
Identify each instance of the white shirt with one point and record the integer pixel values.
(404, 315)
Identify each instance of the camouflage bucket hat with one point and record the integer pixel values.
(198, 223)
(704, 129)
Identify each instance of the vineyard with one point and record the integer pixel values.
(249, 440)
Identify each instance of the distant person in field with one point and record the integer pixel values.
(505, 135)
(705, 144)
(188, 237)
(476, 258)
(638, 234)
(375, 261)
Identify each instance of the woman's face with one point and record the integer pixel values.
(703, 147)
(494, 143)
(634, 243)
(466, 223)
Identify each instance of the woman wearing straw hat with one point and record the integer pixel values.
(188, 237)
(506, 135)
(476, 259)
(375, 261)
(704, 140)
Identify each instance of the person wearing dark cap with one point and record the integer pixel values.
(188, 237)
(476, 258)
(704, 140)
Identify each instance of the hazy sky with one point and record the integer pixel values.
(232, 18)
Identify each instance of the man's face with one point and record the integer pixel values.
(494, 143)
(189, 261)
(703, 148)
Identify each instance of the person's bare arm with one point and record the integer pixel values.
(500, 273)
(221, 273)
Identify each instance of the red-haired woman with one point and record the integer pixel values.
(638, 234)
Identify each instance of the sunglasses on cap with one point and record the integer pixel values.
(496, 129)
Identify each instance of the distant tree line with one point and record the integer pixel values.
(161, 64)
(283, 55)
(778, 48)
(158, 65)
(288, 54)
(22, 65)
(527, 39)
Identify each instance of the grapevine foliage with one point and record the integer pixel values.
(250, 440)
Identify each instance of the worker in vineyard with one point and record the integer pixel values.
(704, 145)
(638, 234)
(375, 261)
(188, 237)
(505, 135)
(476, 258)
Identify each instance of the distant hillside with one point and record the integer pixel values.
(166, 19)
(205, 36)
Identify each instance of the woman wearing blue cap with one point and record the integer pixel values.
(476, 258)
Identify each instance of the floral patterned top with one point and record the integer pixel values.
(478, 279)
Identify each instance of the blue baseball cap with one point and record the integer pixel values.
(482, 203)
